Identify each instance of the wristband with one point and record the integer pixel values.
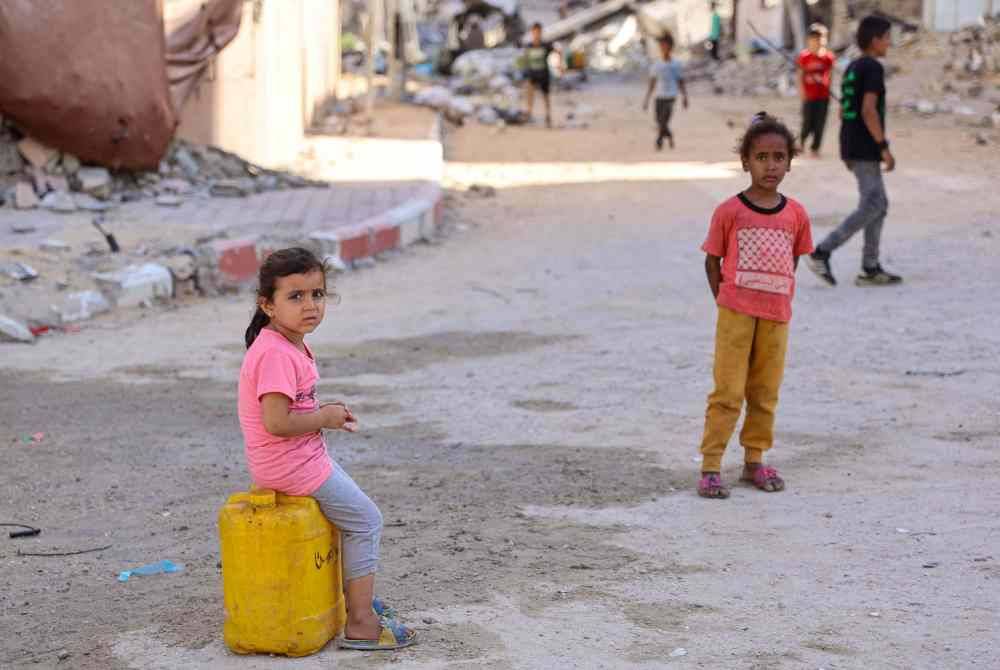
(883, 145)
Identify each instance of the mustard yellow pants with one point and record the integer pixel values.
(749, 364)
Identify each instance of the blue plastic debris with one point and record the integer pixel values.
(151, 569)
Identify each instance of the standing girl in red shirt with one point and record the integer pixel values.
(815, 75)
(752, 250)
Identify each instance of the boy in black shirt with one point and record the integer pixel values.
(536, 73)
(863, 146)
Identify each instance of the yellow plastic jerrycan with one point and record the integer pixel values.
(281, 574)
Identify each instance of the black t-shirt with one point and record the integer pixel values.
(865, 75)
(536, 60)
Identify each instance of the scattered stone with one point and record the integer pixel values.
(15, 331)
(81, 306)
(54, 245)
(36, 153)
(19, 271)
(361, 263)
(981, 139)
(169, 200)
(59, 201)
(24, 196)
(678, 652)
(63, 655)
(926, 107)
(22, 228)
(483, 190)
(10, 159)
(70, 164)
(178, 186)
(89, 203)
(186, 162)
(136, 284)
(95, 180)
(56, 183)
(183, 267)
(232, 188)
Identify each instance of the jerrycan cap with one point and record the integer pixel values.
(262, 497)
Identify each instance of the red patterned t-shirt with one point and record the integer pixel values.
(758, 248)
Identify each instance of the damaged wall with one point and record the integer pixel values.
(260, 94)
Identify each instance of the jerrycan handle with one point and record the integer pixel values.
(262, 497)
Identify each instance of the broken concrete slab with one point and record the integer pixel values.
(59, 201)
(169, 200)
(232, 188)
(95, 180)
(14, 331)
(54, 245)
(24, 196)
(36, 153)
(81, 306)
(89, 203)
(136, 285)
(70, 164)
(19, 271)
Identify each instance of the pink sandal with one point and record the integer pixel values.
(711, 486)
(766, 478)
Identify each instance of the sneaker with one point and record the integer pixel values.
(877, 276)
(819, 263)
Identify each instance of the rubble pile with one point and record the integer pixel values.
(484, 85)
(33, 175)
(761, 75)
(615, 47)
(956, 73)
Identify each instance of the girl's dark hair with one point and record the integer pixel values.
(668, 39)
(870, 28)
(763, 123)
(282, 263)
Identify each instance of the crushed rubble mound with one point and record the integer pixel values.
(33, 175)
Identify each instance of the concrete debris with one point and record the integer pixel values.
(54, 245)
(70, 164)
(36, 153)
(10, 159)
(136, 285)
(168, 200)
(59, 201)
(19, 271)
(81, 306)
(22, 228)
(95, 180)
(24, 196)
(761, 75)
(91, 204)
(14, 331)
(232, 188)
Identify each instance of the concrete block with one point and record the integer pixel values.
(81, 306)
(13, 330)
(324, 243)
(36, 153)
(355, 244)
(136, 284)
(384, 238)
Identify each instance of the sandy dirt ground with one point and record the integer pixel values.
(531, 391)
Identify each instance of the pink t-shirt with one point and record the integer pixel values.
(294, 465)
(758, 248)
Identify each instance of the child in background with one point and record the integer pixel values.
(864, 147)
(815, 74)
(667, 79)
(283, 424)
(752, 250)
(536, 73)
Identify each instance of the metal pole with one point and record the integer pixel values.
(370, 31)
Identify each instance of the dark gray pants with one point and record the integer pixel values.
(814, 122)
(664, 112)
(870, 214)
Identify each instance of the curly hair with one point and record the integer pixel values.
(763, 123)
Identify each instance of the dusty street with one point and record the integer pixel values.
(531, 392)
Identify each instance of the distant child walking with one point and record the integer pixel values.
(752, 250)
(537, 75)
(667, 79)
(283, 423)
(815, 75)
(863, 147)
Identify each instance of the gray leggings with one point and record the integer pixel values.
(870, 214)
(347, 507)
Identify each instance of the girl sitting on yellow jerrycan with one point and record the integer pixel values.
(283, 422)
